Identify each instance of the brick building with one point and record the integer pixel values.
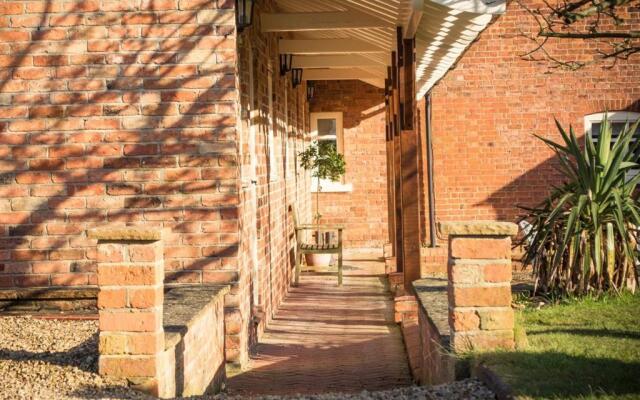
(163, 113)
(360, 203)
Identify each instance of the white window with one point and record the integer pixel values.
(327, 127)
(618, 121)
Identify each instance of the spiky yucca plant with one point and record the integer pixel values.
(583, 237)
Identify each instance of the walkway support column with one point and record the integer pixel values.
(130, 303)
(389, 248)
(480, 313)
(409, 146)
(396, 57)
(402, 161)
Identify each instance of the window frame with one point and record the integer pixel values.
(614, 117)
(329, 186)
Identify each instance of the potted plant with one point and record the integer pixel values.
(325, 163)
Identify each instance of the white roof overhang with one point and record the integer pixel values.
(353, 39)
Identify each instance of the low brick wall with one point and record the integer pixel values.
(468, 309)
(406, 308)
(194, 339)
(78, 299)
(433, 261)
(165, 341)
(480, 313)
(437, 364)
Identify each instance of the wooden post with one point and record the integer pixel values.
(409, 72)
(410, 177)
(397, 154)
(388, 98)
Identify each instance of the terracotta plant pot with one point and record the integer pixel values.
(318, 260)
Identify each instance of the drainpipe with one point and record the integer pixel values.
(432, 210)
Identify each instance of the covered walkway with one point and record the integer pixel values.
(326, 338)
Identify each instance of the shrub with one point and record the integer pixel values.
(583, 237)
(324, 162)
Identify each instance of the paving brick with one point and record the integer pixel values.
(327, 338)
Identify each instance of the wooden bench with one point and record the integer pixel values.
(313, 248)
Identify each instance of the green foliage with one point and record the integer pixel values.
(323, 159)
(583, 237)
(582, 348)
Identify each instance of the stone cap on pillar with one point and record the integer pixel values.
(477, 228)
(131, 233)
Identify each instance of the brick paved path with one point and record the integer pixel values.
(327, 339)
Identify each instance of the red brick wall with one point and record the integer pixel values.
(364, 210)
(202, 363)
(126, 112)
(266, 249)
(116, 112)
(486, 110)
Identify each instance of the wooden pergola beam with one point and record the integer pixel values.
(327, 74)
(378, 82)
(412, 22)
(370, 77)
(327, 46)
(335, 61)
(314, 21)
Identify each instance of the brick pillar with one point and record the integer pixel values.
(130, 297)
(480, 313)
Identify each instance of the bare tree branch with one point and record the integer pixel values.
(620, 35)
(597, 8)
(600, 21)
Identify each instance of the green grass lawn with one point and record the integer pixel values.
(586, 349)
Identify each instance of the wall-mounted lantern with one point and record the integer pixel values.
(244, 14)
(296, 76)
(285, 63)
(311, 88)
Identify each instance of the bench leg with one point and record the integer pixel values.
(298, 261)
(340, 268)
(339, 257)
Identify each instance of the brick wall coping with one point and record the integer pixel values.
(474, 228)
(125, 233)
(46, 293)
(432, 299)
(182, 307)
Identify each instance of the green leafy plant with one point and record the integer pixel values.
(583, 237)
(325, 163)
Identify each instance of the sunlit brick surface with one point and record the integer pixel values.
(362, 211)
(329, 338)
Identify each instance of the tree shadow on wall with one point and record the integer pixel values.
(532, 186)
(138, 130)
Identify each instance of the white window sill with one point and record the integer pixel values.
(331, 187)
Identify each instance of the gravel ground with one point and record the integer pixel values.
(468, 389)
(47, 359)
(53, 359)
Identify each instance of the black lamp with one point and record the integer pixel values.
(285, 63)
(310, 90)
(244, 14)
(296, 76)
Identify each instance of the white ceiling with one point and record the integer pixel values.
(443, 30)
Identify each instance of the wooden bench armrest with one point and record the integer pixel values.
(309, 227)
